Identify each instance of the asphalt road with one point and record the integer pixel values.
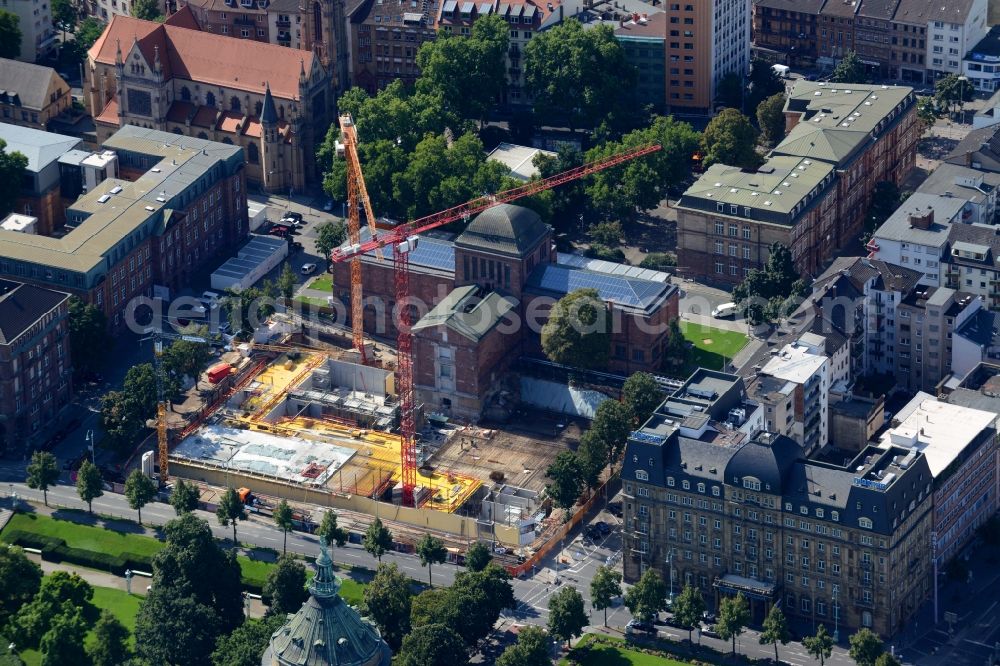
(574, 565)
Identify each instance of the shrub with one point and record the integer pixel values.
(598, 251)
(659, 261)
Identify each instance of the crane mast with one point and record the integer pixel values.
(403, 239)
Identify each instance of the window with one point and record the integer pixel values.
(720, 228)
(865, 523)
(746, 233)
(641, 475)
(719, 247)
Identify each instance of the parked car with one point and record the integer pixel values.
(308, 269)
(708, 616)
(603, 527)
(292, 219)
(710, 631)
(639, 627)
(328, 205)
(725, 310)
(210, 299)
(295, 246)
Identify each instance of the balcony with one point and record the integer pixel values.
(244, 21)
(283, 23)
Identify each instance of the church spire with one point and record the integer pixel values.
(268, 115)
(325, 584)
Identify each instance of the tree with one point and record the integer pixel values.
(469, 73)
(285, 589)
(675, 356)
(42, 472)
(122, 420)
(88, 335)
(613, 422)
(886, 198)
(283, 519)
(387, 602)
(87, 32)
(531, 649)
(186, 358)
(819, 646)
(196, 596)
(431, 551)
(10, 47)
(139, 490)
(147, 10)
(62, 644)
(578, 330)
(478, 557)
(567, 617)
(592, 455)
(22, 579)
(435, 606)
(927, 111)
(231, 510)
(730, 91)
(329, 529)
(688, 607)
(287, 281)
(432, 645)
(642, 395)
(866, 647)
(89, 485)
(850, 70)
(576, 75)
(764, 82)
(771, 118)
(330, 235)
(730, 139)
(13, 163)
(244, 646)
(765, 295)
(477, 598)
(377, 539)
(606, 233)
(734, 615)
(184, 497)
(604, 587)
(645, 599)
(63, 15)
(886, 659)
(951, 90)
(622, 191)
(775, 630)
(140, 385)
(59, 593)
(567, 474)
(110, 644)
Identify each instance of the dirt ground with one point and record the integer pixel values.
(520, 452)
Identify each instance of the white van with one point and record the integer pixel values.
(725, 310)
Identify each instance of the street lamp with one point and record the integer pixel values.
(670, 562)
(90, 444)
(836, 615)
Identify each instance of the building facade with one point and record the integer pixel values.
(41, 195)
(794, 389)
(174, 79)
(787, 31)
(844, 546)
(811, 193)
(31, 95)
(38, 36)
(185, 207)
(36, 371)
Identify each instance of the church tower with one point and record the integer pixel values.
(271, 155)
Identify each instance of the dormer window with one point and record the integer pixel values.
(641, 475)
(670, 481)
(865, 523)
(686, 485)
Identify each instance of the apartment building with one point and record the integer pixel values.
(972, 257)
(836, 32)
(385, 37)
(977, 188)
(916, 234)
(40, 196)
(31, 95)
(908, 53)
(873, 32)
(787, 31)
(845, 546)
(38, 36)
(36, 371)
(794, 390)
(184, 207)
(172, 78)
(953, 30)
(926, 320)
(960, 444)
(811, 193)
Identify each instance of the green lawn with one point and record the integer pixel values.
(85, 537)
(124, 606)
(315, 302)
(713, 347)
(607, 655)
(322, 283)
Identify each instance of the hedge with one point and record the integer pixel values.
(55, 549)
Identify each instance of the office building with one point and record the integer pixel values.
(35, 367)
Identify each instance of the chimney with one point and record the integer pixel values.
(923, 220)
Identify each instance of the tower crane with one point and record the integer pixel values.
(357, 193)
(403, 239)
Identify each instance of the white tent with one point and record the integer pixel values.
(254, 260)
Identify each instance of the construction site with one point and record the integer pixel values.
(317, 428)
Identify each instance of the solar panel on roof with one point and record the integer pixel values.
(623, 291)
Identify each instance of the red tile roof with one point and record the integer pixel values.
(183, 18)
(253, 128)
(109, 114)
(179, 112)
(240, 64)
(205, 117)
(229, 121)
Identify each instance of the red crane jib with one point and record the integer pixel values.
(401, 280)
(479, 204)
